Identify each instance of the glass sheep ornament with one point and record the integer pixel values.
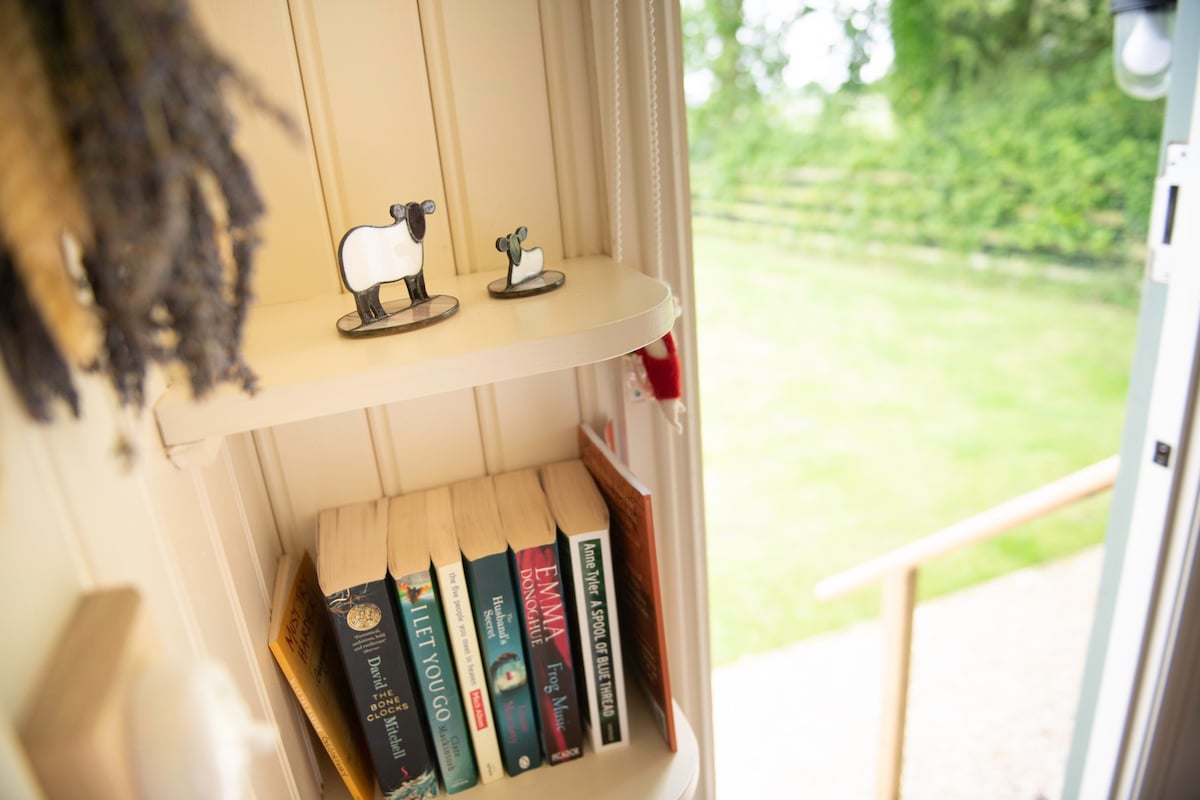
(526, 274)
(370, 256)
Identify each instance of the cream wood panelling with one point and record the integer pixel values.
(601, 389)
(528, 421)
(654, 227)
(42, 568)
(17, 780)
(121, 527)
(76, 517)
(369, 106)
(488, 82)
(316, 464)
(254, 506)
(295, 261)
(614, 64)
(574, 124)
(587, 380)
(386, 458)
(429, 442)
(198, 509)
(230, 492)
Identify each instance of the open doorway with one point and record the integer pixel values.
(918, 263)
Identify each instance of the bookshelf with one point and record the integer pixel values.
(307, 370)
(645, 770)
(505, 114)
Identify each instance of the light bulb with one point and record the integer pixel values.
(1148, 49)
(1142, 51)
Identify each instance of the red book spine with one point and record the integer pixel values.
(548, 639)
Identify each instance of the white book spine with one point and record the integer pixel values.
(584, 576)
(468, 663)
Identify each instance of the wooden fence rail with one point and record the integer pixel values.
(905, 209)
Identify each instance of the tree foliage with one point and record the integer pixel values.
(1009, 132)
(945, 47)
(744, 64)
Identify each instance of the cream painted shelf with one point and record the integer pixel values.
(645, 770)
(306, 369)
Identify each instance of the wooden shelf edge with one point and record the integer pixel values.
(307, 370)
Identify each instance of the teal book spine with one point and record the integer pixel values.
(433, 668)
(498, 620)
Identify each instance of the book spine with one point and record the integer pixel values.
(544, 623)
(368, 637)
(600, 641)
(283, 652)
(327, 741)
(434, 672)
(468, 662)
(318, 728)
(497, 619)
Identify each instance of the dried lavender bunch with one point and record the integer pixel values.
(39, 196)
(37, 369)
(139, 95)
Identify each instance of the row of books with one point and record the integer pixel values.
(464, 631)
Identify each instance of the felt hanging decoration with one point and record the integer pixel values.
(661, 361)
(117, 143)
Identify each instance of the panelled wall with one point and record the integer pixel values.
(398, 102)
(504, 115)
(199, 544)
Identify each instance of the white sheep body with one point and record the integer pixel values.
(373, 255)
(532, 262)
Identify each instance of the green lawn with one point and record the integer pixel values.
(849, 408)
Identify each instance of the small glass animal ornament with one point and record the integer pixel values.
(370, 256)
(526, 275)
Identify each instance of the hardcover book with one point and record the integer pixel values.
(498, 621)
(635, 561)
(425, 632)
(353, 576)
(301, 639)
(530, 530)
(585, 551)
(460, 627)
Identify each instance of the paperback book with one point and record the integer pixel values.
(353, 574)
(301, 639)
(635, 560)
(460, 627)
(529, 528)
(585, 551)
(428, 645)
(498, 620)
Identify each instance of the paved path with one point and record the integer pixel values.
(994, 684)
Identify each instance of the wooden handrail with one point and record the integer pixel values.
(897, 571)
(1064, 491)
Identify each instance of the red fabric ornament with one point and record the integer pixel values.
(662, 371)
(661, 361)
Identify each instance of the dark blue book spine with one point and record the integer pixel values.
(369, 640)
